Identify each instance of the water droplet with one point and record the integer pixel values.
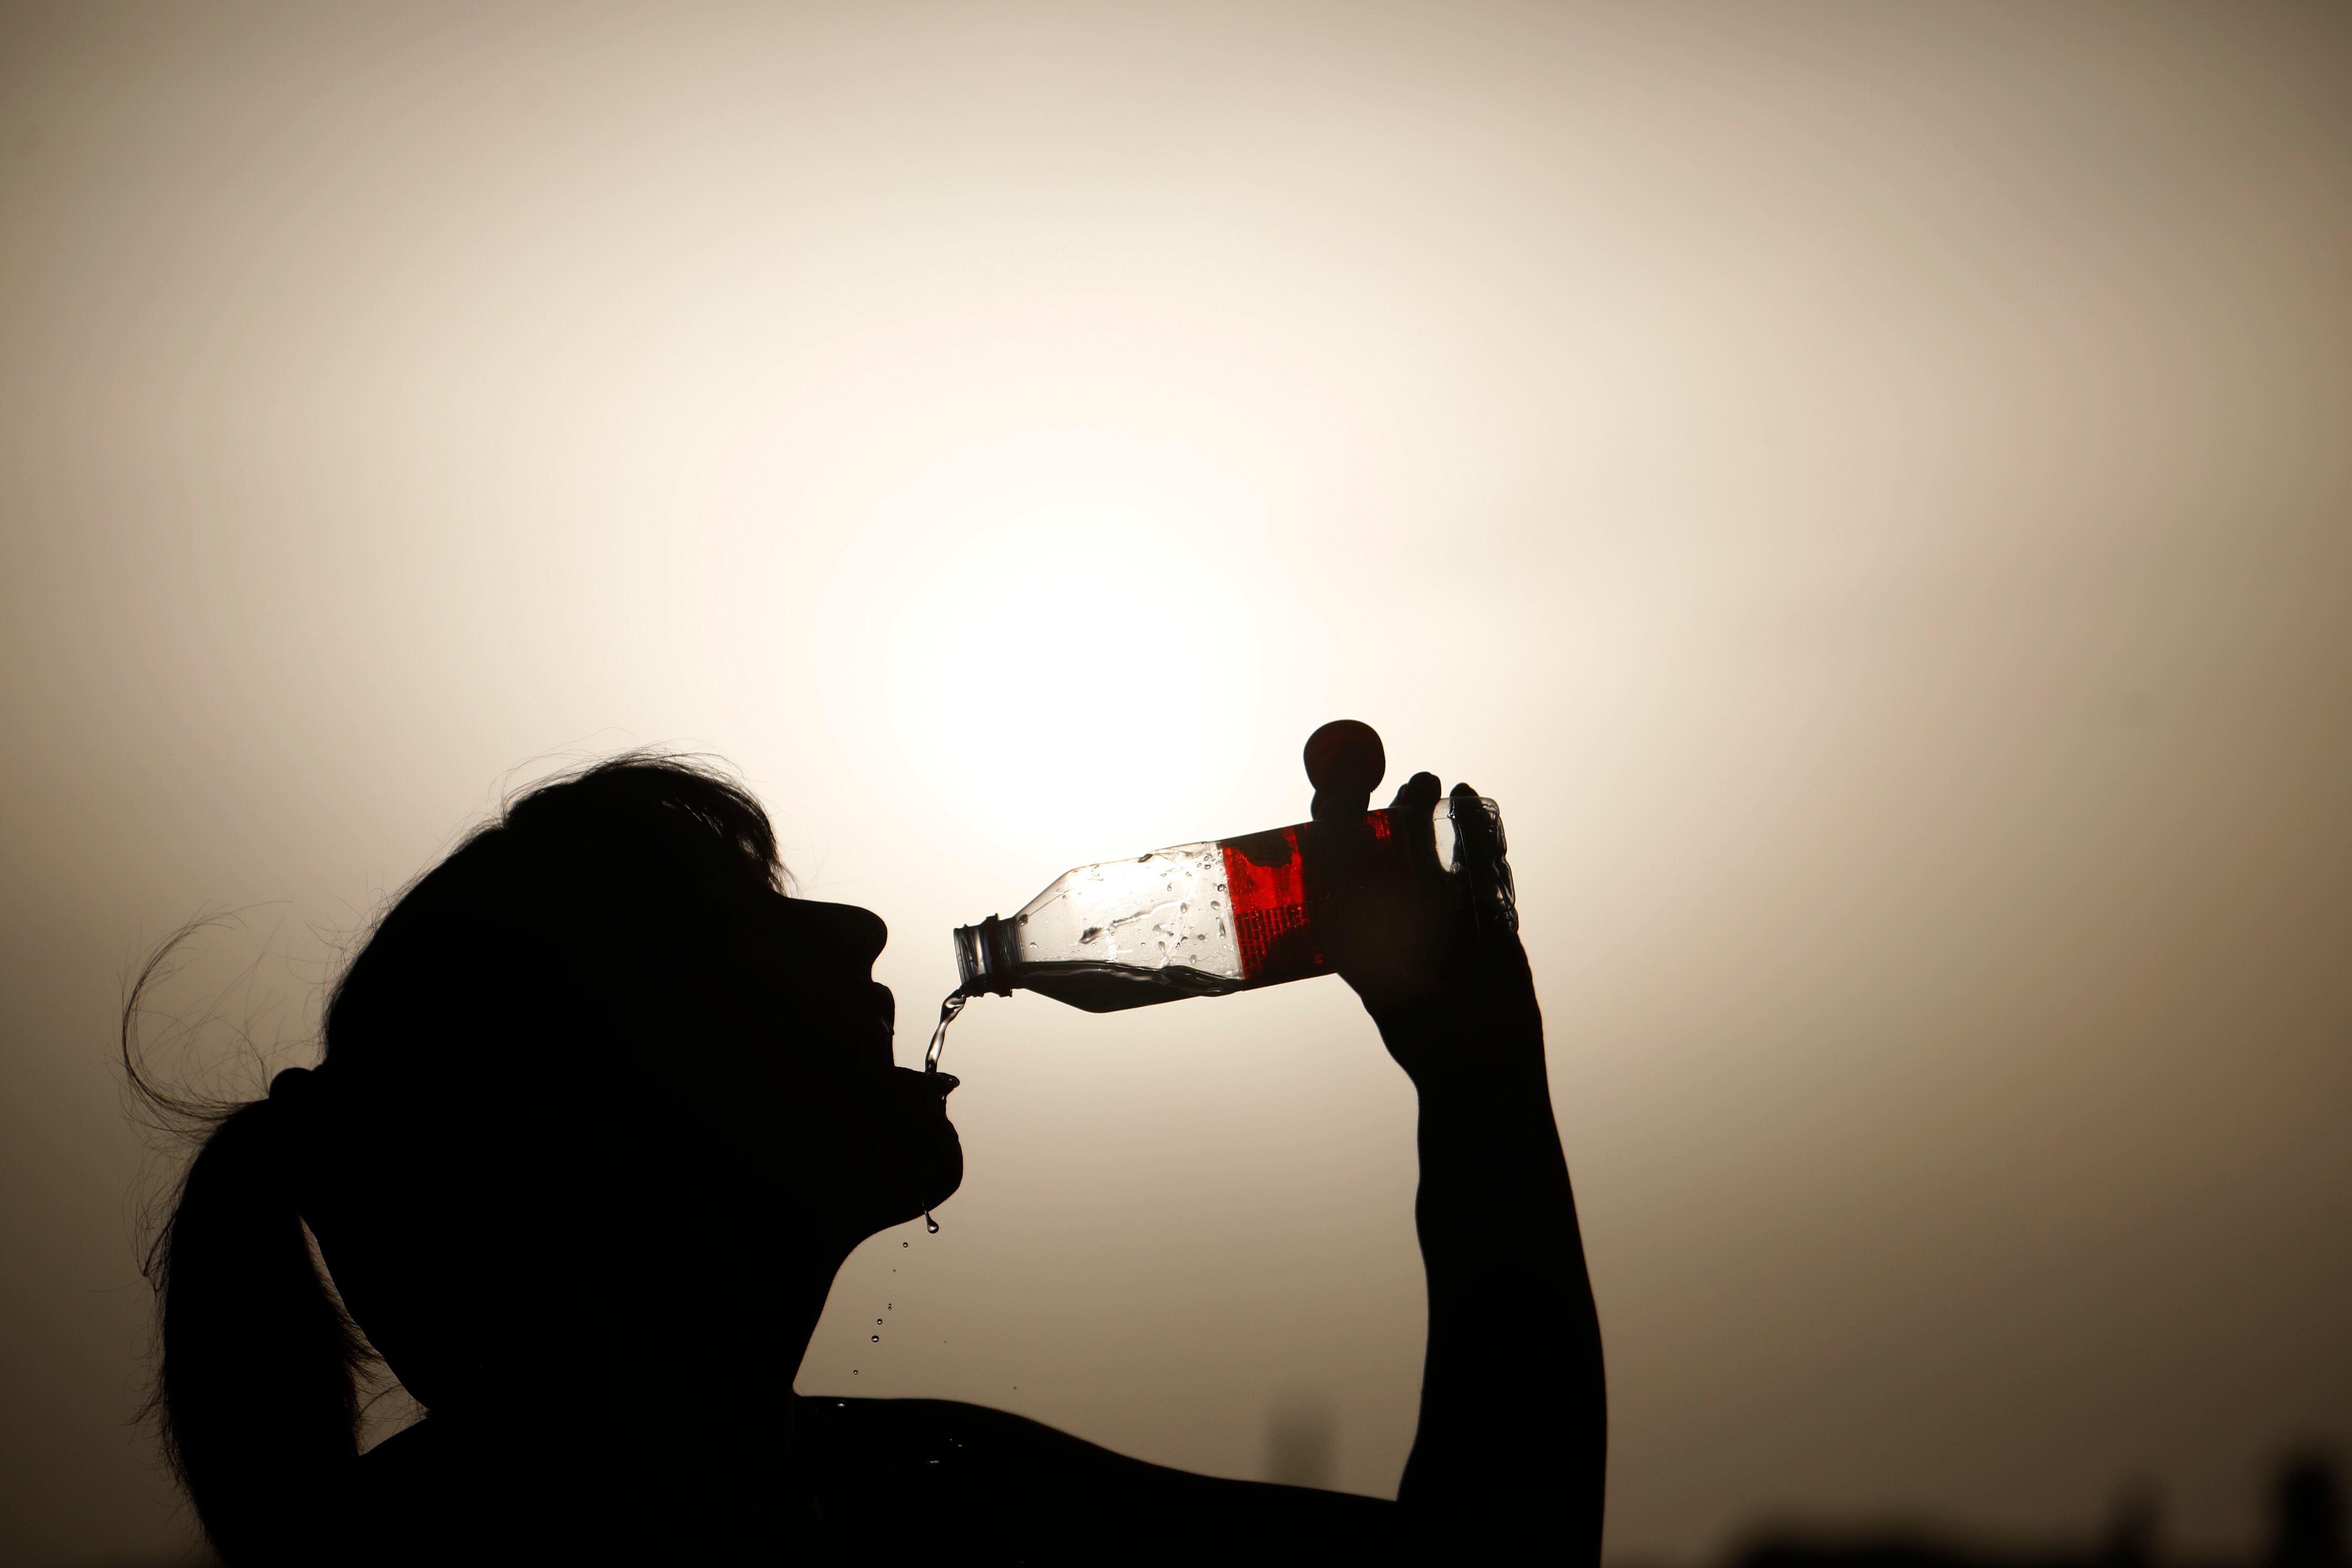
(929, 1224)
(1088, 934)
(877, 1320)
(877, 1339)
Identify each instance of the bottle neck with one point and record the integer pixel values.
(984, 959)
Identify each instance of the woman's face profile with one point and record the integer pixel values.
(875, 1147)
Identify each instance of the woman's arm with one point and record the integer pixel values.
(1513, 1442)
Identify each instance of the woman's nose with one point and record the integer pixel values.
(857, 935)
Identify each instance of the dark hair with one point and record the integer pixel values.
(491, 955)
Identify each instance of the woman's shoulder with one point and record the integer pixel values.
(911, 1471)
(439, 1491)
(881, 1481)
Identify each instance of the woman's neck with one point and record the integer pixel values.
(688, 1415)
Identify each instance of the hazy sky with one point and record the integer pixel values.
(1868, 488)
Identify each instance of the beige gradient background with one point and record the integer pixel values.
(1869, 489)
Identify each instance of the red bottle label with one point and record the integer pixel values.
(1265, 876)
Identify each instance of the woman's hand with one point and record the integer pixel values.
(1426, 948)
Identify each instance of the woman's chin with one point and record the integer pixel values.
(936, 1171)
(947, 1173)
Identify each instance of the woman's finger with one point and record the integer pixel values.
(1417, 794)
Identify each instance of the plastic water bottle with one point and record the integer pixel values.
(1213, 918)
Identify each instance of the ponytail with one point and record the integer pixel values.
(256, 1390)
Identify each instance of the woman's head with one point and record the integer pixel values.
(593, 1078)
(619, 946)
(605, 1010)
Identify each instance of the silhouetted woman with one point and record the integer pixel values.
(601, 1112)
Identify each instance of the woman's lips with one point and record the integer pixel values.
(921, 1088)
